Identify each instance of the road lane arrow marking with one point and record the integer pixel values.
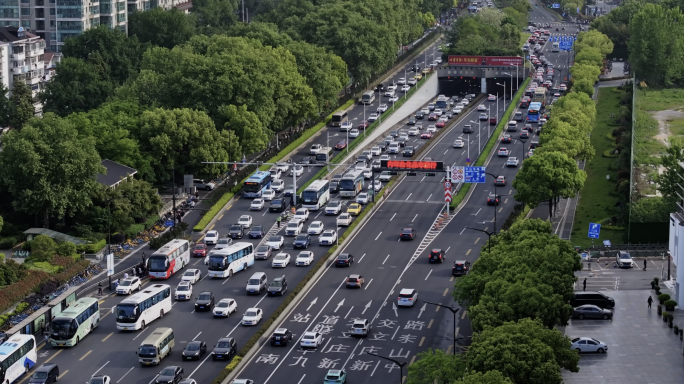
(394, 307)
(339, 305)
(422, 309)
(366, 307)
(312, 304)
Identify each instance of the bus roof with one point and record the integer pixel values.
(353, 174)
(156, 335)
(258, 175)
(143, 295)
(229, 249)
(169, 247)
(535, 106)
(10, 345)
(540, 90)
(316, 185)
(77, 307)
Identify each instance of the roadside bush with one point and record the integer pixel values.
(71, 271)
(17, 291)
(66, 248)
(91, 248)
(8, 242)
(45, 267)
(174, 233)
(133, 230)
(43, 248)
(227, 371)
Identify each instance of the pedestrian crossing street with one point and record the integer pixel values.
(603, 282)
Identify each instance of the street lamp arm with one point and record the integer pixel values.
(397, 362)
(452, 309)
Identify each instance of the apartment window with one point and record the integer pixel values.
(52, 23)
(26, 23)
(121, 6)
(40, 13)
(121, 17)
(52, 11)
(26, 11)
(40, 3)
(26, 1)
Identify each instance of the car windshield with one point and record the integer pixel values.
(40, 375)
(309, 337)
(332, 377)
(232, 228)
(253, 282)
(256, 228)
(205, 296)
(353, 279)
(183, 288)
(276, 284)
(301, 237)
(223, 304)
(262, 248)
(167, 372)
(251, 313)
(274, 238)
(359, 325)
(193, 347)
(96, 380)
(625, 256)
(126, 283)
(223, 344)
(315, 225)
(200, 246)
(342, 257)
(189, 273)
(280, 257)
(407, 230)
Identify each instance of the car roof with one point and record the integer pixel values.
(355, 276)
(460, 262)
(46, 367)
(406, 291)
(281, 330)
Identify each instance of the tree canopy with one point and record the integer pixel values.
(435, 367)
(161, 27)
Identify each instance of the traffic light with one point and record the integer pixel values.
(393, 173)
(411, 173)
(430, 174)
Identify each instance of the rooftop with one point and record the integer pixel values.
(116, 173)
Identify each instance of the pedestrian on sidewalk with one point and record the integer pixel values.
(644, 264)
(99, 289)
(584, 284)
(650, 301)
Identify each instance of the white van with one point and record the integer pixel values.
(555, 47)
(156, 346)
(512, 126)
(256, 283)
(393, 147)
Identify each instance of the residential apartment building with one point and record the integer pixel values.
(676, 249)
(57, 20)
(22, 58)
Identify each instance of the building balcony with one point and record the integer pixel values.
(17, 56)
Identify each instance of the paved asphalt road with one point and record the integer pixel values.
(388, 266)
(385, 262)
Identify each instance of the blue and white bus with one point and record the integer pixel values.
(533, 112)
(316, 195)
(227, 261)
(17, 356)
(256, 184)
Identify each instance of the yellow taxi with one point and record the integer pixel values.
(354, 209)
(426, 71)
(418, 76)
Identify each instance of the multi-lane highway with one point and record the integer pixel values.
(389, 265)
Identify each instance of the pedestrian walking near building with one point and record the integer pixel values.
(650, 301)
(584, 284)
(644, 264)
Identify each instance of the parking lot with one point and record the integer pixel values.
(605, 276)
(642, 349)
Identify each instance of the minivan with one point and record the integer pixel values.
(592, 297)
(512, 126)
(256, 283)
(393, 147)
(45, 374)
(518, 116)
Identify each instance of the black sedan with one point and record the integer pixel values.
(344, 260)
(420, 115)
(409, 151)
(407, 234)
(224, 349)
(204, 302)
(236, 231)
(334, 187)
(302, 241)
(256, 232)
(170, 375)
(590, 311)
(493, 199)
(194, 350)
(278, 205)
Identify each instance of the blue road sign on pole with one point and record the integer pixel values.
(475, 174)
(594, 230)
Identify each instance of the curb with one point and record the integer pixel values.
(307, 288)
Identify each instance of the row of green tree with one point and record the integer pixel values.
(652, 33)
(516, 293)
(491, 32)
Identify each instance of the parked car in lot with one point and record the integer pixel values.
(588, 344)
(590, 311)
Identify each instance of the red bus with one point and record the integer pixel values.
(169, 259)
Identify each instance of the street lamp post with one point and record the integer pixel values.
(489, 235)
(453, 311)
(397, 362)
(511, 75)
(523, 142)
(504, 93)
(479, 128)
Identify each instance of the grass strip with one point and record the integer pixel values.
(340, 156)
(216, 208)
(296, 291)
(491, 143)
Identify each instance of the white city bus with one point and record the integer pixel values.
(144, 307)
(351, 183)
(169, 259)
(316, 195)
(368, 97)
(75, 322)
(17, 356)
(227, 261)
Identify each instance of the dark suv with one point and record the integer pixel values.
(278, 286)
(460, 268)
(407, 234)
(436, 256)
(281, 336)
(592, 297)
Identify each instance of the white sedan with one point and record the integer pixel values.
(275, 242)
(362, 198)
(431, 128)
(413, 131)
(211, 237)
(252, 316)
(401, 81)
(328, 237)
(412, 81)
(245, 221)
(223, 243)
(373, 117)
(587, 344)
(376, 151)
(297, 170)
(311, 340)
(393, 99)
(183, 291)
(481, 107)
(225, 307)
(354, 133)
(268, 194)
(343, 220)
(315, 228)
(382, 108)
(458, 144)
(302, 214)
(304, 258)
(281, 260)
(192, 276)
(347, 125)
(377, 187)
(405, 88)
(256, 205)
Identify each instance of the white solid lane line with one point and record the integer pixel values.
(428, 275)
(122, 377)
(378, 236)
(393, 216)
(383, 263)
(197, 336)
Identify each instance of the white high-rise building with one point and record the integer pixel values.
(21, 58)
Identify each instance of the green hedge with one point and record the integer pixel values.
(91, 248)
(288, 299)
(491, 143)
(216, 208)
(340, 156)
